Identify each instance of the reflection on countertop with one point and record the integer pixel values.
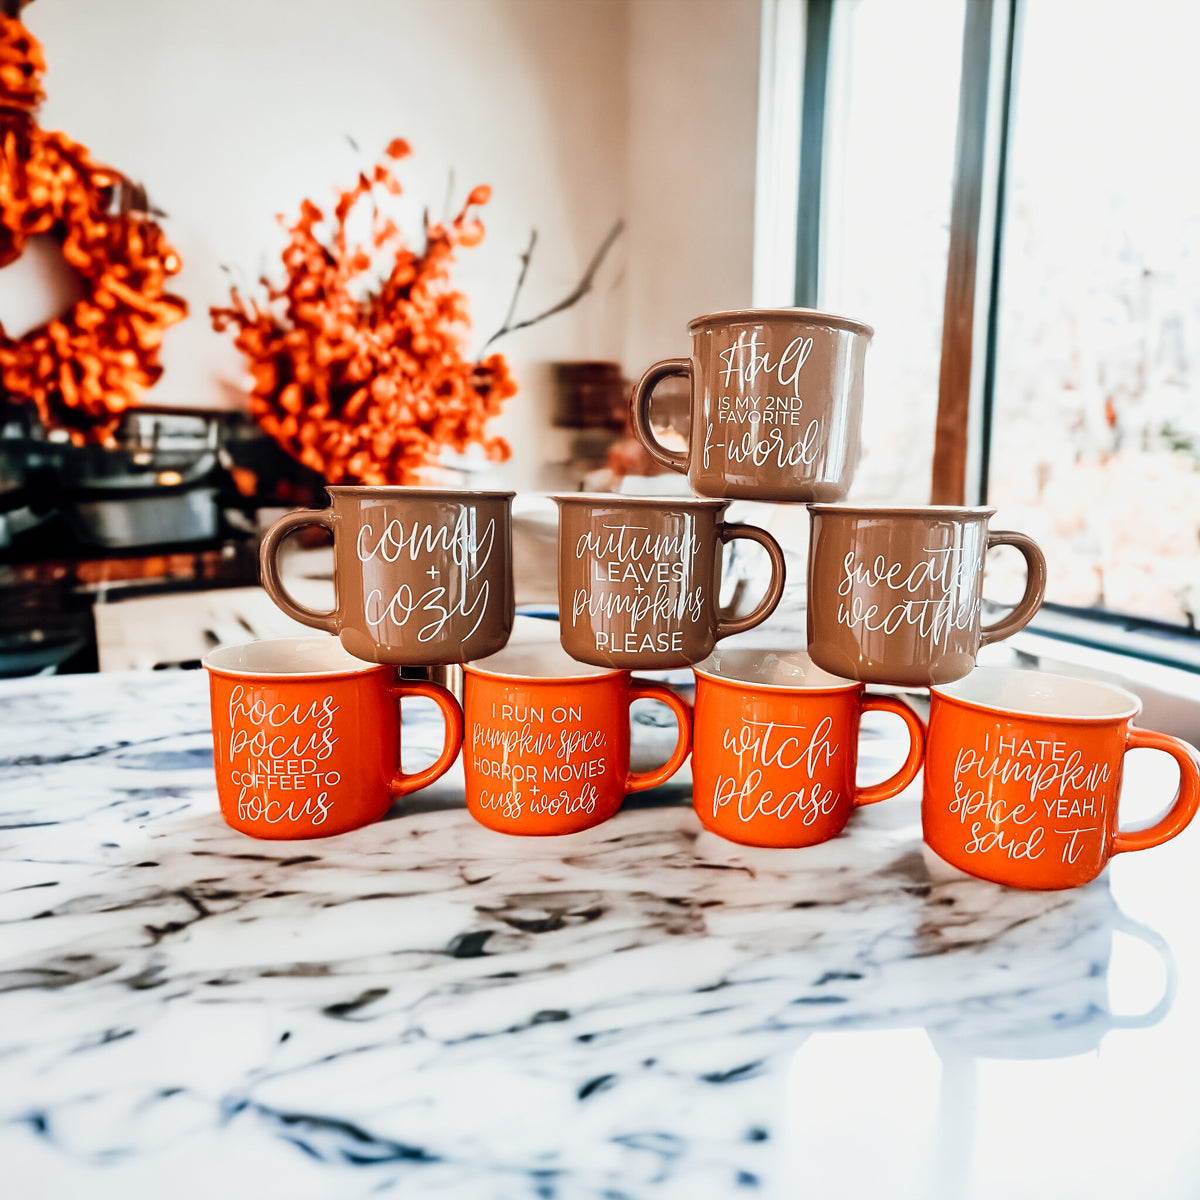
(428, 1007)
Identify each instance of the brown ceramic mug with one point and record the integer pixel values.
(776, 404)
(895, 594)
(422, 576)
(639, 579)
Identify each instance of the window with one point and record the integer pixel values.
(1072, 215)
(1095, 423)
(892, 97)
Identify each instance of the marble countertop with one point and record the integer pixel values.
(425, 1007)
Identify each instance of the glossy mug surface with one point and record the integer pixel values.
(422, 576)
(639, 579)
(547, 742)
(776, 748)
(895, 594)
(306, 738)
(776, 404)
(1023, 776)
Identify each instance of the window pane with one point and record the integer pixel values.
(885, 214)
(1096, 432)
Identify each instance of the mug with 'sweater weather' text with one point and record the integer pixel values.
(895, 595)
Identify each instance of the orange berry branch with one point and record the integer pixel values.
(81, 370)
(369, 388)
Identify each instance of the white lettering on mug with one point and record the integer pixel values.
(461, 545)
(664, 590)
(546, 769)
(1045, 782)
(762, 427)
(948, 573)
(430, 604)
(774, 745)
(277, 748)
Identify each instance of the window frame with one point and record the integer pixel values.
(991, 52)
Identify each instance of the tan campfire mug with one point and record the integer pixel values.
(422, 576)
(639, 579)
(776, 404)
(895, 594)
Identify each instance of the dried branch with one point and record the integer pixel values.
(580, 290)
(526, 259)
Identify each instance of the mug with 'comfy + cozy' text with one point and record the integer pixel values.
(422, 576)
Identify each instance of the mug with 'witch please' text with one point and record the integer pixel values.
(423, 576)
(1023, 774)
(547, 743)
(306, 738)
(775, 752)
(895, 595)
(776, 405)
(639, 579)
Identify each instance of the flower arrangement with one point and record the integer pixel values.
(81, 370)
(369, 388)
(370, 385)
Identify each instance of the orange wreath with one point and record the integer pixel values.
(83, 370)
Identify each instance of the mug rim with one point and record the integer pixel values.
(346, 671)
(904, 510)
(810, 316)
(601, 673)
(1133, 705)
(620, 499)
(837, 684)
(399, 491)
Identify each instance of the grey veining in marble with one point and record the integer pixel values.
(427, 1007)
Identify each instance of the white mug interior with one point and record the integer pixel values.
(536, 660)
(312, 655)
(769, 668)
(1041, 694)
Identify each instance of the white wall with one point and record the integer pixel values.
(693, 87)
(575, 111)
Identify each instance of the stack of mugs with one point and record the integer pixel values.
(1022, 769)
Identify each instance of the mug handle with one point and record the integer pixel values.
(1158, 944)
(767, 605)
(1035, 586)
(268, 568)
(639, 412)
(639, 781)
(1186, 801)
(401, 784)
(896, 783)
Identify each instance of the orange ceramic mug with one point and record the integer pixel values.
(307, 739)
(1023, 777)
(776, 748)
(547, 743)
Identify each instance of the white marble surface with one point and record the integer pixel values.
(424, 1007)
